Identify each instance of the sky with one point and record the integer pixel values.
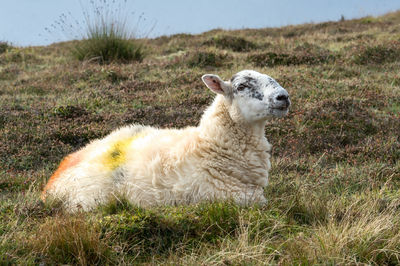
(24, 22)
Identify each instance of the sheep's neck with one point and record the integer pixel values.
(219, 116)
(239, 145)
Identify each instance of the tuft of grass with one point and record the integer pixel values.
(4, 46)
(9, 73)
(206, 59)
(19, 56)
(107, 36)
(377, 54)
(71, 240)
(236, 44)
(69, 111)
(108, 48)
(366, 231)
(302, 54)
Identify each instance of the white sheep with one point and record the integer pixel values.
(225, 157)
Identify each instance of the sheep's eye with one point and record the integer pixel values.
(241, 87)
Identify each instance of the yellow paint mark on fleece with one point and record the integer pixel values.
(116, 155)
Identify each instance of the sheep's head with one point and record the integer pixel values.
(256, 95)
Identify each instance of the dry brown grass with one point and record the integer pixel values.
(69, 240)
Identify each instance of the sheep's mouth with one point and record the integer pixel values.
(281, 108)
(279, 111)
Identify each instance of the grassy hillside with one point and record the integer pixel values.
(334, 194)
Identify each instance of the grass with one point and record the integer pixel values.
(378, 54)
(108, 47)
(303, 54)
(4, 46)
(106, 33)
(206, 59)
(333, 196)
(236, 44)
(71, 241)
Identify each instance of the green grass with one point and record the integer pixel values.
(107, 47)
(333, 196)
(236, 44)
(378, 54)
(4, 46)
(206, 59)
(107, 34)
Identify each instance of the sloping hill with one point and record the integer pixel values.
(335, 179)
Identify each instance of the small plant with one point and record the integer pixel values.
(71, 240)
(378, 54)
(108, 48)
(105, 35)
(4, 46)
(206, 59)
(306, 54)
(69, 111)
(236, 44)
(10, 72)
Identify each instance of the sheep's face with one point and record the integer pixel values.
(256, 95)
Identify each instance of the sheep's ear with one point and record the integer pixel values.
(216, 84)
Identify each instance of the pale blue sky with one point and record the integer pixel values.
(23, 22)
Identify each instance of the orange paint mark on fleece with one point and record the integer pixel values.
(69, 161)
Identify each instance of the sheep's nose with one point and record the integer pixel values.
(282, 97)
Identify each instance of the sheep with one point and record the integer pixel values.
(226, 157)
